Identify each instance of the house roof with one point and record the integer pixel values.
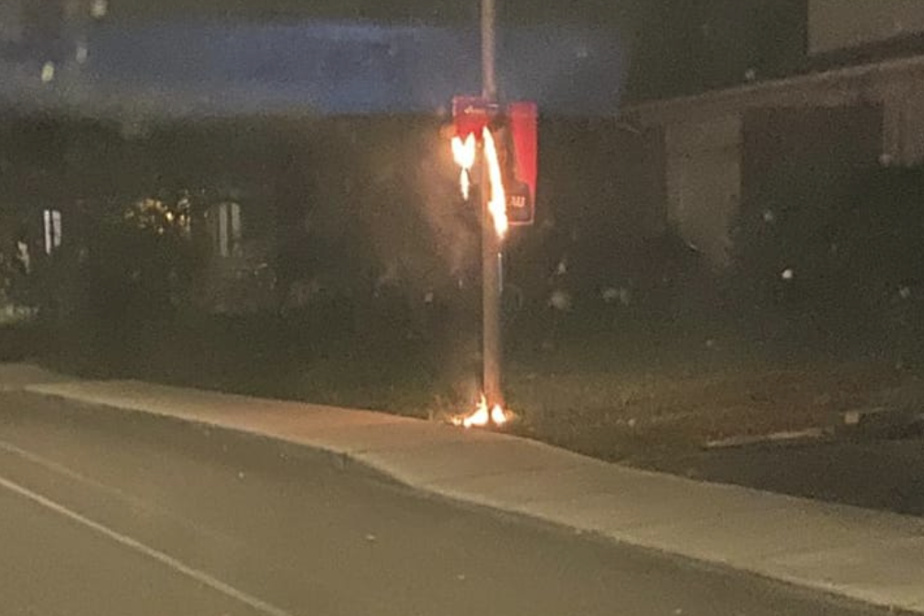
(708, 46)
(840, 85)
(897, 47)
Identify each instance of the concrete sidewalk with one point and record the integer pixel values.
(866, 555)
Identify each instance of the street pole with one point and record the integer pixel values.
(489, 49)
(491, 243)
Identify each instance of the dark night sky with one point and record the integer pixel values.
(671, 47)
(436, 12)
(676, 46)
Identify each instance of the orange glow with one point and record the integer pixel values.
(482, 416)
(498, 203)
(498, 416)
(463, 152)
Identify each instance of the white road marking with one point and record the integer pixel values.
(62, 470)
(133, 544)
(133, 501)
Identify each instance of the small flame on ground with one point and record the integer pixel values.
(463, 152)
(498, 416)
(482, 416)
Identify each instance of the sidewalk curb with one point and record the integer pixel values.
(559, 514)
(338, 459)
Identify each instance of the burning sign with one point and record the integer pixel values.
(523, 124)
(509, 149)
(497, 205)
(463, 152)
(509, 141)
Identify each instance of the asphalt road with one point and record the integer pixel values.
(107, 514)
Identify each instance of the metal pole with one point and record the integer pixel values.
(488, 49)
(491, 246)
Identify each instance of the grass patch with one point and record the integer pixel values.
(629, 394)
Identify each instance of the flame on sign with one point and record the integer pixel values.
(498, 203)
(463, 152)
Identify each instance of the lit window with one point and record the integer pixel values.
(52, 220)
(225, 228)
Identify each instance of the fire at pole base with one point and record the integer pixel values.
(509, 158)
(482, 416)
(464, 153)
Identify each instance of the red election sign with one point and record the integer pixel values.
(523, 143)
(517, 135)
(471, 114)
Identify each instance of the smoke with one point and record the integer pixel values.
(402, 196)
(424, 238)
(452, 222)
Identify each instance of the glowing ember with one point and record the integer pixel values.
(482, 416)
(498, 203)
(463, 152)
(498, 416)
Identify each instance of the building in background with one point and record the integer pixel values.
(836, 25)
(121, 87)
(854, 101)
